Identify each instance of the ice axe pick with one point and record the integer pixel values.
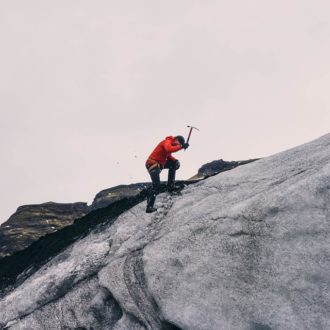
(191, 129)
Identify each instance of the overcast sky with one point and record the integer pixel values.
(88, 88)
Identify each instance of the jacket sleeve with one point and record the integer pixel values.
(170, 157)
(170, 148)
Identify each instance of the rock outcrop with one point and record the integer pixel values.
(247, 249)
(30, 222)
(218, 166)
(108, 196)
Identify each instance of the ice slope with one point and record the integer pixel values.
(246, 249)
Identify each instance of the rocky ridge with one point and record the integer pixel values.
(30, 222)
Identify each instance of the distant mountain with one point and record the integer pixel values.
(247, 249)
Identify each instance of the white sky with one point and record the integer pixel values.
(88, 88)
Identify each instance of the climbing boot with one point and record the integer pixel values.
(173, 188)
(150, 209)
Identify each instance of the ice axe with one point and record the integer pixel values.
(191, 129)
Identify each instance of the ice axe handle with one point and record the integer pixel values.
(191, 128)
(189, 134)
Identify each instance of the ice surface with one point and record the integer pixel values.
(246, 249)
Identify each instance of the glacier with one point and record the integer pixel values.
(246, 249)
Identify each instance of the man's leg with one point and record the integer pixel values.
(154, 190)
(172, 167)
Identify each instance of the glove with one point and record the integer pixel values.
(177, 164)
(185, 146)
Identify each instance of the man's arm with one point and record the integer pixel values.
(171, 148)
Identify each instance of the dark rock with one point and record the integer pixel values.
(108, 196)
(30, 222)
(218, 166)
(169, 326)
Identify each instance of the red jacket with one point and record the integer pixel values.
(163, 151)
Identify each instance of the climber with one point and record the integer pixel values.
(159, 159)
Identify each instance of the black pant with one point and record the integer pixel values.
(154, 174)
